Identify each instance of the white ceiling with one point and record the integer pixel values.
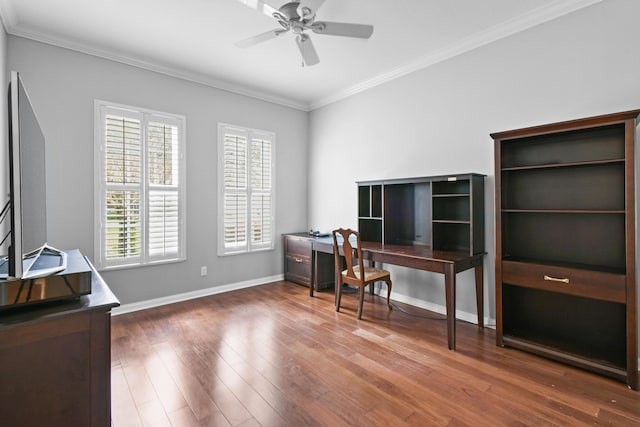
(194, 39)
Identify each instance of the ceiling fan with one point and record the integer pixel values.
(298, 17)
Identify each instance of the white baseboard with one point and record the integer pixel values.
(171, 299)
(156, 302)
(441, 309)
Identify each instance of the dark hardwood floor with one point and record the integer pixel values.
(273, 356)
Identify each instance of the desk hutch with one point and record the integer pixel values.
(443, 212)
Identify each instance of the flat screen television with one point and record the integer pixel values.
(29, 256)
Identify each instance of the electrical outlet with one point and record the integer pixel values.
(203, 271)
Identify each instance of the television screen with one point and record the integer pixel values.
(32, 172)
(27, 180)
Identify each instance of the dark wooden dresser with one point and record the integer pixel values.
(55, 361)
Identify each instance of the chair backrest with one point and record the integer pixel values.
(345, 247)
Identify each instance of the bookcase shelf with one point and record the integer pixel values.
(565, 243)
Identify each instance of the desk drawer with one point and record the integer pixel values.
(298, 269)
(572, 281)
(295, 246)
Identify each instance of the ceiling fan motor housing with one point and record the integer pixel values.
(288, 12)
(299, 16)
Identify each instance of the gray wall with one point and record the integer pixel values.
(437, 121)
(63, 84)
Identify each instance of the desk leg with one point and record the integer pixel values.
(373, 285)
(312, 279)
(480, 294)
(450, 296)
(337, 291)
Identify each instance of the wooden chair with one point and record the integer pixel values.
(355, 265)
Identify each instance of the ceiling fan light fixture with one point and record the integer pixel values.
(306, 13)
(318, 27)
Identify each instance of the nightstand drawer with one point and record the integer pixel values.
(578, 282)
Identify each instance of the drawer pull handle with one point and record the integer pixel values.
(298, 260)
(556, 279)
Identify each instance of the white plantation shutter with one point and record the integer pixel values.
(261, 215)
(123, 166)
(123, 157)
(163, 224)
(246, 196)
(139, 187)
(123, 234)
(164, 219)
(235, 202)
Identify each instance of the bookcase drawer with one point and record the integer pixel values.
(584, 283)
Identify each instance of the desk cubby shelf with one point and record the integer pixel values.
(565, 243)
(443, 212)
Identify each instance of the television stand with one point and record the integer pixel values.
(55, 359)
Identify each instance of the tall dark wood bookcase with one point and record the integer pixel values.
(445, 213)
(566, 243)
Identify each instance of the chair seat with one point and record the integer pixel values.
(370, 273)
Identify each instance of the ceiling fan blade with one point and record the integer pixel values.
(308, 52)
(362, 31)
(260, 6)
(308, 8)
(251, 41)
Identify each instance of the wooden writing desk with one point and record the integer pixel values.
(432, 223)
(419, 257)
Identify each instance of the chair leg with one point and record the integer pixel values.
(389, 293)
(338, 295)
(360, 301)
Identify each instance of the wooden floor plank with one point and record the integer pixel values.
(140, 385)
(153, 415)
(183, 417)
(124, 412)
(165, 387)
(271, 355)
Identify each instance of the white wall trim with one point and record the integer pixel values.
(214, 290)
(7, 15)
(155, 67)
(505, 29)
(441, 309)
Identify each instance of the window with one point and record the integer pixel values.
(246, 199)
(139, 180)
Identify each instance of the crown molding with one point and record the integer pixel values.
(513, 26)
(7, 14)
(152, 66)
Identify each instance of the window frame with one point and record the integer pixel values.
(251, 134)
(101, 187)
